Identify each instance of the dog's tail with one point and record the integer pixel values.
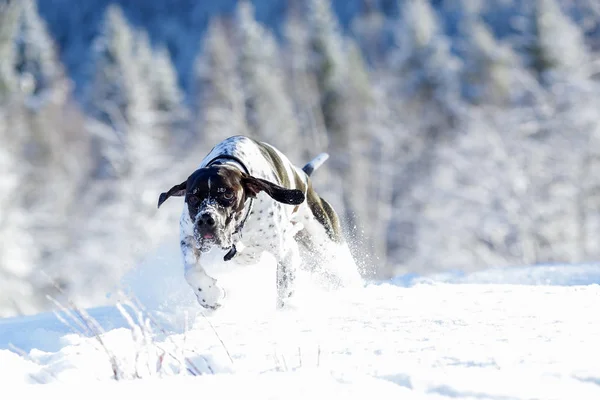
(315, 163)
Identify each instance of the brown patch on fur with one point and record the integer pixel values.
(324, 213)
(300, 185)
(276, 163)
(299, 182)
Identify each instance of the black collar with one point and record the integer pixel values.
(218, 158)
(238, 230)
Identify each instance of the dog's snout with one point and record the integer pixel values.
(206, 219)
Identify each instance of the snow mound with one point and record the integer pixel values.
(544, 275)
(443, 341)
(513, 333)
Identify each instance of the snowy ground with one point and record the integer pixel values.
(523, 333)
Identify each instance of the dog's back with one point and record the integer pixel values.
(315, 223)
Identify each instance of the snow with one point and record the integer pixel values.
(516, 333)
(546, 274)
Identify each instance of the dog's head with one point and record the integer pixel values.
(216, 198)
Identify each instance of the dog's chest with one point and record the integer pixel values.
(266, 223)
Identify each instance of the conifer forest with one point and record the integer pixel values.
(462, 134)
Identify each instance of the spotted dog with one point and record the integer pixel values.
(245, 198)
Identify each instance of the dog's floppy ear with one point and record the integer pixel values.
(278, 193)
(177, 190)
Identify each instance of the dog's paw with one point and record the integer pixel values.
(213, 307)
(285, 303)
(286, 306)
(210, 298)
(208, 294)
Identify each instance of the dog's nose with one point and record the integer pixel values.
(206, 219)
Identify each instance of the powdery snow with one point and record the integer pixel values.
(432, 340)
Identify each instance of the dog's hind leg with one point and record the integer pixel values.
(324, 250)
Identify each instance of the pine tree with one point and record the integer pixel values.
(554, 43)
(40, 132)
(347, 104)
(269, 111)
(303, 84)
(145, 134)
(119, 94)
(154, 67)
(133, 144)
(10, 12)
(167, 95)
(44, 96)
(464, 186)
(329, 65)
(17, 251)
(429, 71)
(40, 72)
(369, 28)
(491, 72)
(372, 148)
(218, 88)
(44, 89)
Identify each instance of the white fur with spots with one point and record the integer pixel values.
(271, 227)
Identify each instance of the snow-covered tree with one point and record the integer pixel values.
(377, 135)
(469, 215)
(472, 142)
(492, 71)
(427, 103)
(359, 112)
(429, 72)
(167, 95)
(41, 176)
(17, 250)
(218, 88)
(370, 29)
(40, 73)
(117, 94)
(9, 19)
(269, 111)
(553, 44)
(303, 84)
(126, 99)
(328, 62)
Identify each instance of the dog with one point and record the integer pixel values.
(246, 198)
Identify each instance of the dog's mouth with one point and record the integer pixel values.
(205, 241)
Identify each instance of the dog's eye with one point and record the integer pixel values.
(193, 200)
(228, 195)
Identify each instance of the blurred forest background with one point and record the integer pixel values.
(463, 134)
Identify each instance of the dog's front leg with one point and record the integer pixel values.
(205, 288)
(287, 266)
